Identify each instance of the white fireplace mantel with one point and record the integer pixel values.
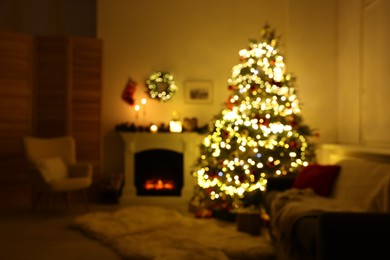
(185, 143)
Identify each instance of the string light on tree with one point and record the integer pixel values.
(258, 134)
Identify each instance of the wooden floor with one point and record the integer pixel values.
(27, 235)
(32, 235)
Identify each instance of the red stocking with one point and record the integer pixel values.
(128, 92)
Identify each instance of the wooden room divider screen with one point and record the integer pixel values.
(49, 86)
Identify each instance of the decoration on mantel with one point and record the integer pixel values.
(143, 102)
(153, 128)
(136, 111)
(161, 86)
(190, 124)
(175, 126)
(132, 127)
(128, 92)
(142, 108)
(161, 128)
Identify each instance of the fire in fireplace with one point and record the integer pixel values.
(158, 172)
(159, 184)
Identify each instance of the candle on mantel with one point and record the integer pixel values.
(136, 109)
(153, 129)
(143, 102)
(175, 126)
(175, 123)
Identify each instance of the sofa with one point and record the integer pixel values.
(335, 211)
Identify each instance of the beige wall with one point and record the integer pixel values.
(200, 40)
(337, 49)
(349, 80)
(363, 72)
(312, 55)
(194, 40)
(375, 73)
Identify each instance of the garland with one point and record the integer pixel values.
(158, 78)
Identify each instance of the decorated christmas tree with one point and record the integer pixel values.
(258, 134)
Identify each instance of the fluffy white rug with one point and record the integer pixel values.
(149, 232)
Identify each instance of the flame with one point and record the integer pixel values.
(159, 185)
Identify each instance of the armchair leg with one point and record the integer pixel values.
(35, 198)
(49, 202)
(68, 199)
(85, 198)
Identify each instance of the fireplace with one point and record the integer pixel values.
(158, 172)
(158, 167)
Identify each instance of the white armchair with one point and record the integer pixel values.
(53, 168)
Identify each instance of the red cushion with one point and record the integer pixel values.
(320, 178)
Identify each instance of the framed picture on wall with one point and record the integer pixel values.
(198, 92)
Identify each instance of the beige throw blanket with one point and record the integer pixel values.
(290, 206)
(380, 198)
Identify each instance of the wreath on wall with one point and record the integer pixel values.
(161, 86)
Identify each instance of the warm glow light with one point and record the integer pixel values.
(175, 126)
(136, 110)
(259, 134)
(153, 128)
(159, 185)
